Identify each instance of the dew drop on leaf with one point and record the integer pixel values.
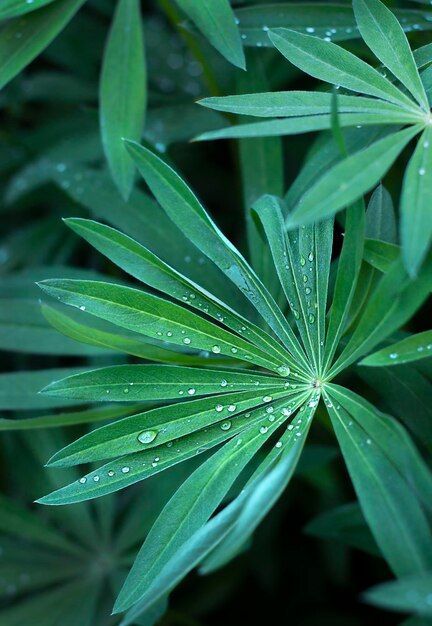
(147, 436)
(225, 425)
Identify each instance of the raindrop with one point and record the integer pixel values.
(234, 350)
(310, 29)
(302, 261)
(186, 340)
(232, 408)
(219, 408)
(393, 355)
(311, 257)
(191, 391)
(263, 430)
(267, 399)
(284, 370)
(96, 479)
(82, 308)
(311, 318)
(278, 444)
(223, 383)
(147, 436)
(225, 425)
(216, 349)
(422, 171)
(110, 473)
(125, 469)
(83, 480)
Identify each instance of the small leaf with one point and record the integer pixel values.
(416, 202)
(123, 91)
(22, 40)
(331, 63)
(385, 37)
(363, 170)
(412, 348)
(410, 594)
(216, 21)
(380, 216)
(13, 8)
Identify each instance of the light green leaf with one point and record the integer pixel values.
(389, 504)
(153, 317)
(187, 213)
(123, 91)
(331, 63)
(410, 594)
(164, 425)
(22, 40)
(131, 344)
(147, 267)
(346, 278)
(155, 382)
(380, 254)
(416, 202)
(296, 104)
(363, 170)
(282, 461)
(189, 509)
(138, 466)
(385, 37)
(412, 348)
(215, 19)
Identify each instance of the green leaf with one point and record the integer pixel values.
(123, 91)
(380, 254)
(389, 504)
(349, 264)
(363, 170)
(416, 201)
(282, 460)
(138, 466)
(187, 213)
(380, 216)
(188, 510)
(410, 594)
(412, 348)
(153, 317)
(295, 104)
(13, 8)
(302, 261)
(165, 424)
(127, 344)
(22, 40)
(215, 19)
(147, 267)
(308, 124)
(385, 37)
(392, 303)
(331, 63)
(155, 382)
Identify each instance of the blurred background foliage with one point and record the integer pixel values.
(313, 554)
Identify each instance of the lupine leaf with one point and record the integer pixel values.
(188, 214)
(383, 34)
(188, 509)
(410, 594)
(216, 21)
(380, 216)
(13, 8)
(363, 170)
(416, 199)
(22, 40)
(331, 63)
(412, 348)
(123, 91)
(391, 508)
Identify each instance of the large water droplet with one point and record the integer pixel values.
(147, 436)
(216, 349)
(191, 391)
(225, 425)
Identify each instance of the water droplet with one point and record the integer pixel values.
(96, 479)
(125, 390)
(311, 257)
(302, 261)
(147, 436)
(278, 444)
(232, 408)
(263, 430)
(422, 171)
(225, 425)
(223, 383)
(82, 308)
(216, 349)
(286, 412)
(83, 480)
(290, 427)
(393, 355)
(269, 409)
(234, 350)
(111, 473)
(191, 391)
(169, 334)
(125, 470)
(267, 399)
(186, 340)
(311, 318)
(219, 408)
(284, 370)
(310, 29)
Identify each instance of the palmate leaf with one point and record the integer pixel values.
(222, 406)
